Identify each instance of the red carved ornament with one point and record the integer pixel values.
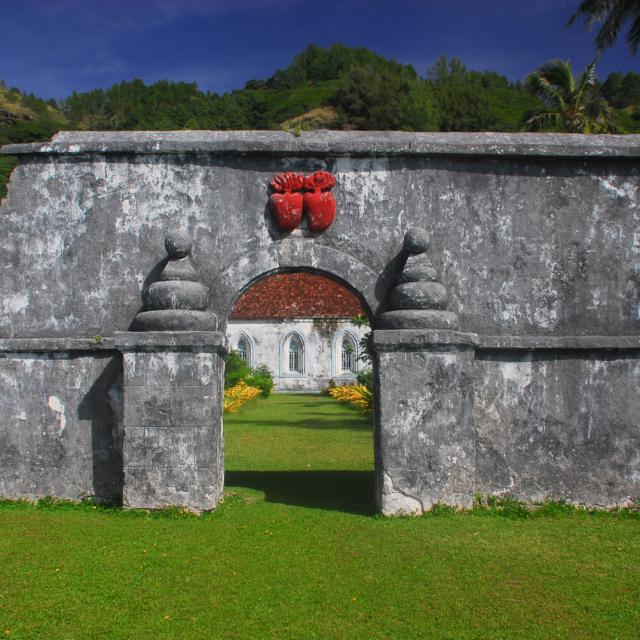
(287, 203)
(319, 203)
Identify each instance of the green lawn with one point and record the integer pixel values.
(295, 552)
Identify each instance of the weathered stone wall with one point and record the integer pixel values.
(558, 424)
(61, 426)
(533, 234)
(536, 238)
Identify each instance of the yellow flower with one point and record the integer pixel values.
(357, 395)
(239, 394)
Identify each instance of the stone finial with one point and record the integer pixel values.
(177, 301)
(418, 300)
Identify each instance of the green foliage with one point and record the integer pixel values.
(441, 510)
(237, 370)
(365, 378)
(502, 506)
(462, 96)
(612, 15)
(382, 99)
(630, 90)
(7, 165)
(571, 105)
(260, 377)
(29, 131)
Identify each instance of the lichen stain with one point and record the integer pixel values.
(624, 191)
(517, 377)
(363, 183)
(55, 404)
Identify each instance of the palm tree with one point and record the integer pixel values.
(612, 14)
(571, 105)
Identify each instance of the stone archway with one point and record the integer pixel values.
(298, 254)
(244, 278)
(174, 373)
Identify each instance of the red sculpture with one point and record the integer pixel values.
(286, 202)
(319, 203)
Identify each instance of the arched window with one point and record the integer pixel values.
(348, 354)
(243, 349)
(243, 346)
(295, 354)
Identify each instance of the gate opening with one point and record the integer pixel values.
(308, 440)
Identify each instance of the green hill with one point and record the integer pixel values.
(336, 87)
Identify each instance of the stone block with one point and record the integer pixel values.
(171, 368)
(171, 406)
(60, 433)
(193, 489)
(173, 448)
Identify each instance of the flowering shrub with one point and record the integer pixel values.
(239, 394)
(237, 370)
(358, 395)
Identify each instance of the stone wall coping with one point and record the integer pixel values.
(383, 339)
(413, 339)
(388, 340)
(51, 345)
(590, 343)
(211, 341)
(333, 144)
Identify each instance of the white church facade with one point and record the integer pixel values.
(300, 326)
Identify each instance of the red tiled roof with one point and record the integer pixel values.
(296, 295)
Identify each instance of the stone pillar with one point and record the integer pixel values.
(173, 397)
(173, 392)
(425, 432)
(425, 443)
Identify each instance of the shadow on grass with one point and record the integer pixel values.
(321, 421)
(347, 491)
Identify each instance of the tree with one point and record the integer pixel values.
(571, 105)
(630, 90)
(612, 14)
(612, 89)
(462, 96)
(382, 99)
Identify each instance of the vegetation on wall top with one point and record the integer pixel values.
(337, 87)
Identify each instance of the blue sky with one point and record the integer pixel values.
(51, 47)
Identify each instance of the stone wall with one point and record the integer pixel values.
(536, 238)
(558, 424)
(61, 427)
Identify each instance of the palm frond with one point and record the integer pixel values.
(539, 86)
(558, 73)
(615, 17)
(570, 106)
(633, 35)
(544, 121)
(611, 15)
(591, 11)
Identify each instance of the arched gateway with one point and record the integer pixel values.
(507, 348)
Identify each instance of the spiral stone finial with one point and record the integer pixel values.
(418, 300)
(177, 301)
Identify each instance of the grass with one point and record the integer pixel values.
(295, 552)
(7, 165)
